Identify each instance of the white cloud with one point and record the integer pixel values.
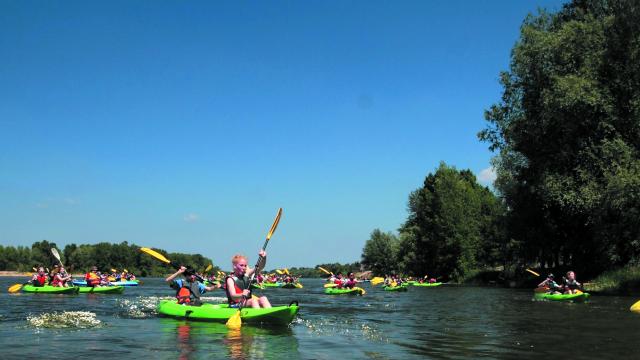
(191, 217)
(487, 176)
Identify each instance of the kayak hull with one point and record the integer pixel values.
(395, 288)
(101, 290)
(113, 283)
(48, 289)
(277, 315)
(336, 291)
(427, 284)
(562, 297)
(266, 284)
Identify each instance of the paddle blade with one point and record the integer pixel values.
(330, 285)
(279, 271)
(113, 270)
(208, 268)
(635, 307)
(275, 224)
(362, 292)
(14, 288)
(155, 254)
(55, 253)
(324, 270)
(234, 322)
(377, 280)
(533, 272)
(34, 269)
(299, 286)
(286, 271)
(125, 270)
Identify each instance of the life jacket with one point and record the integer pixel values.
(92, 279)
(186, 291)
(56, 279)
(240, 284)
(40, 280)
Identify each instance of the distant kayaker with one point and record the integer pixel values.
(339, 281)
(39, 278)
(189, 289)
(570, 283)
(61, 278)
(92, 277)
(238, 287)
(550, 284)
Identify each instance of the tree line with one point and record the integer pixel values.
(106, 256)
(566, 139)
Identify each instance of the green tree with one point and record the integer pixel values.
(380, 252)
(567, 135)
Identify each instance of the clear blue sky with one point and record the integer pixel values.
(185, 125)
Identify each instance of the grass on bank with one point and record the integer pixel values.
(625, 280)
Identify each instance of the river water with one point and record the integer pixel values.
(447, 322)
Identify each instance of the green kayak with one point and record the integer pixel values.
(396, 288)
(267, 284)
(336, 291)
(257, 286)
(427, 284)
(48, 289)
(277, 315)
(562, 297)
(102, 289)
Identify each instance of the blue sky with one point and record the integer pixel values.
(185, 125)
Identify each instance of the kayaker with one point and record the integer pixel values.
(238, 286)
(61, 278)
(339, 281)
(550, 284)
(92, 277)
(39, 278)
(189, 289)
(351, 281)
(570, 283)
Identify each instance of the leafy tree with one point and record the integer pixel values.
(380, 252)
(567, 136)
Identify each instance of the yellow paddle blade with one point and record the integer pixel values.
(275, 224)
(286, 271)
(377, 280)
(34, 269)
(125, 270)
(324, 270)
(209, 267)
(235, 322)
(533, 272)
(279, 271)
(299, 286)
(330, 285)
(14, 288)
(362, 292)
(635, 307)
(155, 254)
(113, 270)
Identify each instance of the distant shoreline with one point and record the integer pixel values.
(27, 274)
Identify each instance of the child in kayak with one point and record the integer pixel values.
(571, 285)
(189, 289)
(39, 278)
(351, 281)
(551, 284)
(61, 278)
(92, 277)
(238, 284)
(339, 281)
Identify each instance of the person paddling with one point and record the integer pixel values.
(189, 289)
(92, 277)
(61, 278)
(551, 284)
(238, 284)
(571, 285)
(39, 278)
(351, 281)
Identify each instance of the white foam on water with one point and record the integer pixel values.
(64, 319)
(346, 328)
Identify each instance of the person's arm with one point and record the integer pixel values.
(261, 264)
(232, 290)
(170, 278)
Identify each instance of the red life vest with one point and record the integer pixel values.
(40, 279)
(92, 279)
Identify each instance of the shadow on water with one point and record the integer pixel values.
(196, 340)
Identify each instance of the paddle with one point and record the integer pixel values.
(235, 321)
(377, 280)
(635, 307)
(280, 272)
(162, 258)
(325, 270)
(533, 272)
(209, 267)
(55, 253)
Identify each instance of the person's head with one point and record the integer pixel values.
(239, 263)
(61, 269)
(550, 276)
(190, 275)
(40, 270)
(571, 275)
(339, 275)
(94, 269)
(351, 275)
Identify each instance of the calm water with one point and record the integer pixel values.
(448, 322)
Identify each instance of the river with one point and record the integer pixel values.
(447, 322)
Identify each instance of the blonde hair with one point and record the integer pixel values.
(237, 257)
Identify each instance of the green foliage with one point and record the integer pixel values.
(105, 256)
(567, 133)
(379, 253)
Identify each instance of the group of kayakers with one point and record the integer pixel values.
(569, 284)
(341, 282)
(236, 285)
(59, 277)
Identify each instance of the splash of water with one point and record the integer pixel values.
(145, 306)
(346, 328)
(64, 319)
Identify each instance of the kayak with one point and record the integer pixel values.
(562, 297)
(336, 291)
(292, 286)
(257, 286)
(267, 284)
(277, 315)
(428, 284)
(395, 288)
(48, 289)
(114, 283)
(102, 289)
